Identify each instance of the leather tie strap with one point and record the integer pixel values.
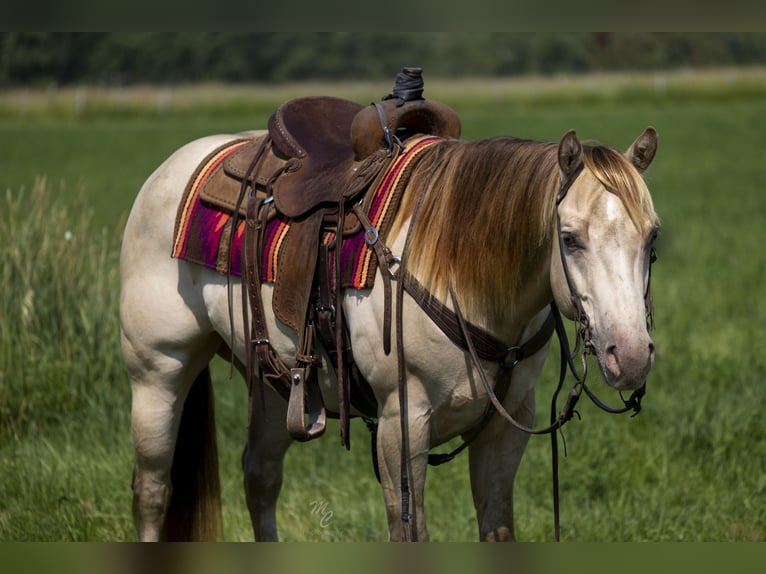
(385, 260)
(391, 140)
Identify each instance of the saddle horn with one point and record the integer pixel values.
(406, 113)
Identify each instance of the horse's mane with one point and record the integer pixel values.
(488, 213)
(618, 176)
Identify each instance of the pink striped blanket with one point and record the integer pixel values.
(201, 228)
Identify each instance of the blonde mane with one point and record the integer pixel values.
(488, 214)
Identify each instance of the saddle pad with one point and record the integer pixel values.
(202, 229)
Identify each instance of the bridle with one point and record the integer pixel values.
(583, 347)
(584, 340)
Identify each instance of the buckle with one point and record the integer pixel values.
(326, 309)
(393, 261)
(518, 356)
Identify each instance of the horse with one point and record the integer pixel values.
(498, 228)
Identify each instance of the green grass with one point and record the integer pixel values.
(689, 468)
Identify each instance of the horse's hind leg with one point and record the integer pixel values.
(160, 382)
(263, 460)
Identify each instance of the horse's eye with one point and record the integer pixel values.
(571, 241)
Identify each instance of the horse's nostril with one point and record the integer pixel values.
(612, 361)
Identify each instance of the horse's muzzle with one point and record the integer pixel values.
(626, 366)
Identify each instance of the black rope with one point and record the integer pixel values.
(408, 86)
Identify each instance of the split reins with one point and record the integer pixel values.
(455, 326)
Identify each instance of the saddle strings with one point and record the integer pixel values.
(234, 224)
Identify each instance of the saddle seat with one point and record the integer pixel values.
(315, 132)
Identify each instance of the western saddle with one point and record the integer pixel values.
(320, 160)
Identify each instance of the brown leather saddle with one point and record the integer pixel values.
(329, 136)
(320, 156)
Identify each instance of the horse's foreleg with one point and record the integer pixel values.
(263, 459)
(494, 459)
(495, 455)
(401, 527)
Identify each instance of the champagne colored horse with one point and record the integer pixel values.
(488, 227)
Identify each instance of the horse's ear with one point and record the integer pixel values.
(641, 152)
(570, 155)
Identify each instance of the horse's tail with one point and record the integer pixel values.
(194, 513)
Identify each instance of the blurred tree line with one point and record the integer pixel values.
(122, 58)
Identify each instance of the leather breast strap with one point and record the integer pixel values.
(488, 347)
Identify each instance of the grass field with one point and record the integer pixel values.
(691, 467)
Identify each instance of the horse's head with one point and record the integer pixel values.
(601, 260)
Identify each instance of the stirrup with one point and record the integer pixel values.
(296, 407)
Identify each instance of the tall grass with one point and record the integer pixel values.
(59, 285)
(63, 423)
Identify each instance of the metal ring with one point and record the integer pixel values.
(371, 236)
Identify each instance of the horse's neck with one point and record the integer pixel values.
(507, 323)
(498, 259)
(534, 293)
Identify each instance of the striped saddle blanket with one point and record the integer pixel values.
(202, 229)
